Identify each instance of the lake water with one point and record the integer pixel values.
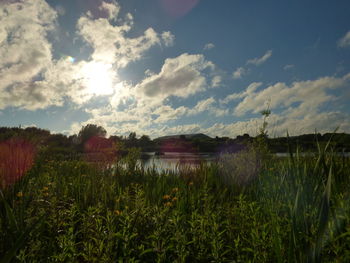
(174, 160)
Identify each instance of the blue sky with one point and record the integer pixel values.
(162, 67)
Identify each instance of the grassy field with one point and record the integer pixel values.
(245, 208)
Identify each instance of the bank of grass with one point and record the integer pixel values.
(295, 209)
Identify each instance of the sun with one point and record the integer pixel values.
(98, 78)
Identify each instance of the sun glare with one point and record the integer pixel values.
(98, 78)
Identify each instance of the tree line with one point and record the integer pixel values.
(63, 145)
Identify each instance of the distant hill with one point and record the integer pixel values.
(200, 136)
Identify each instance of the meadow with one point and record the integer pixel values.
(246, 207)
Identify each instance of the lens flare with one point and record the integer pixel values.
(178, 8)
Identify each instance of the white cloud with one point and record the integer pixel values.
(310, 95)
(166, 113)
(209, 46)
(25, 53)
(233, 129)
(181, 76)
(261, 60)
(32, 79)
(60, 10)
(110, 43)
(202, 105)
(239, 73)
(168, 38)
(345, 40)
(216, 81)
(180, 129)
(234, 96)
(209, 106)
(288, 67)
(112, 9)
(279, 124)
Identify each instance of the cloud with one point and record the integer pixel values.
(216, 81)
(234, 96)
(295, 107)
(179, 129)
(181, 77)
(167, 113)
(239, 73)
(209, 46)
(60, 10)
(209, 106)
(32, 79)
(345, 40)
(111, 9)
(25, 53)
(279, 124)
(310, 95)
(233, 129)
(168, 38)
(110, 43)
(202, 105)
(288, 67)
(261, 60)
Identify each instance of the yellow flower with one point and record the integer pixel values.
(190, 183)
(168, 204)
(166, 197)
(117, 212)
(174, 199)
(45, 188)
(19, 194)
(175, 190)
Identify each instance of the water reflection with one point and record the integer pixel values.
(174, 161)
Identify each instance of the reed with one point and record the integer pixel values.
(293, 209)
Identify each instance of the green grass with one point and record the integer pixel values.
(295, 209)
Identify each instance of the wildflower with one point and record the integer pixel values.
(166, 197)
(174, 199)
(175, 190)
(117, 212)
(168, 204)
(45, 188)
(20, 194)
(190, 183)
(83, 175)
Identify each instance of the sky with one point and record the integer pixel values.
(163, 67)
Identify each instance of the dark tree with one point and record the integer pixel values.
(89, 131)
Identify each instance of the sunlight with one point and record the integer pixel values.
(98, 78)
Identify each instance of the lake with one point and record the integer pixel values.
(176, 160)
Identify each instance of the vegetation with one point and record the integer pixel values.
(251, 206)
(62, 147)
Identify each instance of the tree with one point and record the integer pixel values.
(132, 140)
(145, 140)
(89, 131)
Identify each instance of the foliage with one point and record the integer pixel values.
(295, 210)
(90, 130)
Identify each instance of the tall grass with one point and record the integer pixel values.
(291, 210)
